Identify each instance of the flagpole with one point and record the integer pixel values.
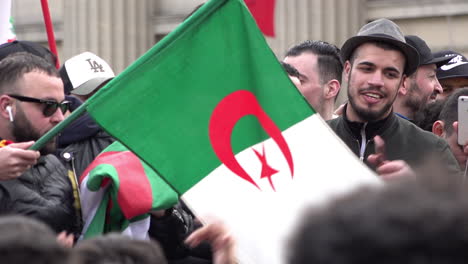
(59, 127)
(50, 31)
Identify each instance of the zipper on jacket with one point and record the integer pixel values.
(69, 157)
(363, 144)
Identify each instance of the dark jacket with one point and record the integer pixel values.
(43, 192)
(78, 145)
(81, 141)
(77, 156)
(403, 141)
(172, 229)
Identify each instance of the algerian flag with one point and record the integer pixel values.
(117, 192)
(6, 25)
(211, 110)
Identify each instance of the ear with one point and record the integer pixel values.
(404, 86)
(332, 88)
(347, 69)
(438, 128)
(5, 101)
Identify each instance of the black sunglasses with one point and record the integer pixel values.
(50, 107)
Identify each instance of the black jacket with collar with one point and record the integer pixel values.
(43, 192)
(81, 142)
(403, 141)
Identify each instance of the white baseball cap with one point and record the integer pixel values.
(85, 72)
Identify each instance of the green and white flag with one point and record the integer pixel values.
(211, 110)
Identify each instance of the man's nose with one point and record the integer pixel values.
(377, 79)
(438, 88)
(57, 117)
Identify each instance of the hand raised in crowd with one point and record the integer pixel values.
(65, 240)
(221, 241)
(388, 170)
(15, 159)
(460, 152)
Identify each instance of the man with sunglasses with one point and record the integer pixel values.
(31, 103)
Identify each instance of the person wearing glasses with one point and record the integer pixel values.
(31, 103)
(15, 158)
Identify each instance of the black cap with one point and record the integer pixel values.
(456, 67)
(27, 46)
(387, 31)
(67, 85)
(425, 55)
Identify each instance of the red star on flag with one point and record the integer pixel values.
(267, 170)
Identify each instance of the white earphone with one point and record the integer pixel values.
(8, 108)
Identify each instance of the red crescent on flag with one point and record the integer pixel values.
(225, 116)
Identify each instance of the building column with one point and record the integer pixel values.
(119, 31)
(333, 21)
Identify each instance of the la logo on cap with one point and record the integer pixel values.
(95, 65)
(86, 72)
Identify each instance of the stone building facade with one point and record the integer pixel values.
(121, 30)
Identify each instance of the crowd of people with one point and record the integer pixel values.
(400, 119)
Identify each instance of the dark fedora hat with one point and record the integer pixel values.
(383, 30)
(425, 54)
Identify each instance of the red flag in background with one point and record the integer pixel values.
(264, 13)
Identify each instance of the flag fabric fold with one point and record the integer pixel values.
(118, 191)
(264, 13)
(211, 110)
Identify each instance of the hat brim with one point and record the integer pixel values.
(89, 86)
(411, 54)
(450, 76)
(439, 61)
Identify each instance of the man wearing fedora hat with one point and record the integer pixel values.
(422, 86)
(377, 61)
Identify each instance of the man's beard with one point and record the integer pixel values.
(23, 131)
(413, 100)
(367, 114)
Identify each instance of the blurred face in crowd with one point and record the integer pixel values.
(450, 85)
(374, 77)
(423, 87)
(310, 87)
(451, 137)
(457, 150)
(30, 123)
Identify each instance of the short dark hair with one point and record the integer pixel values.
(426, 117)
(449, 113)
(26, 240)
(117, 248)
(407, 222)
(15, 65)
(329, 61)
